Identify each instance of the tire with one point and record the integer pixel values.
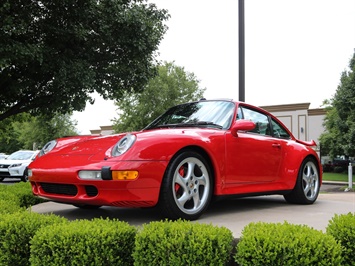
(307, 185)
(2, 179)
(187, 187)
(24, 178)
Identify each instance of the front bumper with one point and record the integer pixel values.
(65, 186)
(14, 172)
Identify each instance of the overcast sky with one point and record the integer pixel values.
(295, 50)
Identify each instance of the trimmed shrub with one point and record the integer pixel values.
(342, 228)
(16, 231)
(7, 206)
(21, 193)
(286, 244)
(9, 196)
(83, 242)
(182, 243)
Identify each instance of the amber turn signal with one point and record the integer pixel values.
(124, 175)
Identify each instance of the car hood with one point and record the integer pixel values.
(101, 146)
(14, 161)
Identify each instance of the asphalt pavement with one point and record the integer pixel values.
(234, 214)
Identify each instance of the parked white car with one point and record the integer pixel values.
(15, 165)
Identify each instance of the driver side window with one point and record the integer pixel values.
(279, 131)
(261, 120)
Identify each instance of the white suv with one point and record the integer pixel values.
(15, 165)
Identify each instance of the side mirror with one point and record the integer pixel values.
(242, 125)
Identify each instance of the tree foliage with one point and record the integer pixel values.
(24, 131)
(339, 135)
(54, 54)
(173, 85)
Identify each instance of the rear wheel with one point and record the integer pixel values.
(2, 179)
(187, 187)
(307, 185)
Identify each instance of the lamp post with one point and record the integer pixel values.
(241, 51)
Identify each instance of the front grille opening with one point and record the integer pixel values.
(91, 191)
(60, 189)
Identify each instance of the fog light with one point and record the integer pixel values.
(13, 172)
(90, 175)
(124, 175)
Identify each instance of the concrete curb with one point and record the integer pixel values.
(335, 183)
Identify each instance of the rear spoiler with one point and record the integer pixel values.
(307, 143)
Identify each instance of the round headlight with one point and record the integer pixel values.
(123, 145)
(47, 148)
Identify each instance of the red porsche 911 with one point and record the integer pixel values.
(191, 154)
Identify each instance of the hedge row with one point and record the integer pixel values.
(28, 238)
(19, 194)
(182, 243)
(286, 244)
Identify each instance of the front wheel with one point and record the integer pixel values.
(24, 178)
(187, 187)
(307, 185)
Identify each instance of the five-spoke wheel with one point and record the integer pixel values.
(187, 186)
(307, 185)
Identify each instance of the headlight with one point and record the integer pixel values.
(47, 148)
(90, 175)
(15, 165)
(123, 145)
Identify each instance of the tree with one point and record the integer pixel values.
(172, 86)
(339, 123)
(29, 132)
(8, 138)
(54, 54)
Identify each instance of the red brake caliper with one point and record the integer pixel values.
(182, 173)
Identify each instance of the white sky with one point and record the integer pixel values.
(295, 50)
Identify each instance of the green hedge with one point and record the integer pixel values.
(16, 231)
(182, 243)
(342, 228)
(83, 242)
(286, 244)
(39, 239)
(21, 193)
(8, 206)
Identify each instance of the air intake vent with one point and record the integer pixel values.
(60, 189)
(91, 191)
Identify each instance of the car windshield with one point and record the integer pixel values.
(20, 155)
(215, 114)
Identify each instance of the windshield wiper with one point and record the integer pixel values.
(189, 124)
(207, 123)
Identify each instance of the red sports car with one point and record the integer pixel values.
(192, 153)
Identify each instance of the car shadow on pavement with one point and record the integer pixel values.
(236, 205)
(139, 216)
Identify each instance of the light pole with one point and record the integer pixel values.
(241, 51)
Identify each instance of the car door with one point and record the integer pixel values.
(253, 156)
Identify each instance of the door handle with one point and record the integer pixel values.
(276, 145)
